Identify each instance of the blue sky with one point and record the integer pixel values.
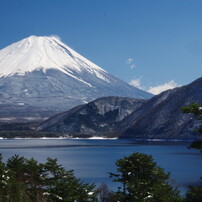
(151, 43)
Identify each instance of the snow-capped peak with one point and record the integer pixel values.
(41, 76)
(43, 52)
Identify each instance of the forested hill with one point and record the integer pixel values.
(99, 117)
(161, 116)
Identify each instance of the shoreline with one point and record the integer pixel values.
(99, 138)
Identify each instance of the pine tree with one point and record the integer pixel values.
(194, 193)
(196, 110)
(142, 180)
(26, 180)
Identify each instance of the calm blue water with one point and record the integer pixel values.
(93, 159)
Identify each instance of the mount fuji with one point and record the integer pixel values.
(41, 76)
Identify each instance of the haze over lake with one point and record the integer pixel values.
(93, 159)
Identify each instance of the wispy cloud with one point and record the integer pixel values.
(130, 62)
(160, 88)
(56, 36)
(137, 83)
(132, 66)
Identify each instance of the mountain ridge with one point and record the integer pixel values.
(161, 116)
(98, 117)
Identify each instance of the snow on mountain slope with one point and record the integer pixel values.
(44, 72)
(44, 53)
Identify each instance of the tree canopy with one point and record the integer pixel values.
(26, 180)
(194, 193)
(142, 180)
(196, 110)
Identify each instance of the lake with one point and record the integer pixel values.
(91, 160)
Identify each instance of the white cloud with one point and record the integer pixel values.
(130, 62)
(160, 88)
(56, 36)
(132, 66)
(137, 83)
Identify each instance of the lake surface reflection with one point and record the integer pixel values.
(91, 160)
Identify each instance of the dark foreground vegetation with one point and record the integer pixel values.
(26, 180)
(140, 180)
(195, 192)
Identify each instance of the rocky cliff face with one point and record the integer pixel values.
(99, 117)
(161, 116)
